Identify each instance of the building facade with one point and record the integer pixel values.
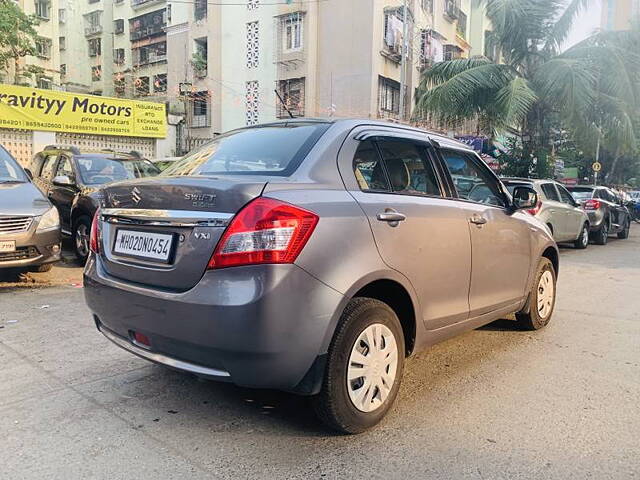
(618, 14)
(42, 69)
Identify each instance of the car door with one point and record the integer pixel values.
(553, 211)
(620, 210)
(500, 238)
(417, 231)
(44, 176)
(62, 195)
(575, 215)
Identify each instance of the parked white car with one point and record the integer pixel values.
(557, 208)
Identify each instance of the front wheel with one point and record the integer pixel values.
(364, 367)
(81, 233)
(583, 240)
(542, 299)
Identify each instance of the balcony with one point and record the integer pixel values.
(92, 30)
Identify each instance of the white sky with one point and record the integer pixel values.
(585, 24)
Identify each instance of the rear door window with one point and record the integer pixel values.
(473, 182)
(276, 149)
(409, 169)
(48, 167)
(549, 190)
(368, 168)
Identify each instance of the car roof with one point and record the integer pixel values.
(104, 153)
(351, 123)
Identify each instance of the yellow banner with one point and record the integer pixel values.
(49, 110)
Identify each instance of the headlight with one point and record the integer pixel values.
(49, 221)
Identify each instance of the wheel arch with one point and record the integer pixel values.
(399, 300)
(551, 253)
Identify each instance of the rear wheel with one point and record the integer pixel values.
(583, 240)
(542, 299)
(624, 233)
(81, 232)
(602, 234)
(364, 367)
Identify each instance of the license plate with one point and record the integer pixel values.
(8, 246)
(154, 246)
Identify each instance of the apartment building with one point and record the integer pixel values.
(47, 57)
(618, 14)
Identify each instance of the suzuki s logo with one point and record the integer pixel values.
(202, 235)
(135, 195)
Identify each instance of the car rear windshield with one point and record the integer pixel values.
(98, 170)
(10, 171)
(269, 150)
(581, 193)
(511, 186)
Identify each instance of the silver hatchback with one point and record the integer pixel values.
(558, 209)
(314, 257)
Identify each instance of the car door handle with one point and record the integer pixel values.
(478, 220)
(391, 217)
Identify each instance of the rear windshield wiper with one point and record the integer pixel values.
(11, 181)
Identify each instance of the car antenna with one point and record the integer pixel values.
(283, 104)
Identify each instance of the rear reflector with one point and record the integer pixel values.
(264, 231)
(141, 339)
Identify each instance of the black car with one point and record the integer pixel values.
(71, 178)
(29, 224)
(607, 212)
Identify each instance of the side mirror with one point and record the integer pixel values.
(62, 181)
(29, 174)
(524, 198)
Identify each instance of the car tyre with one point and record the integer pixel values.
(624, 233)
(602, 234)
(582, 241)
(343, 404)
(81, 233)
(542, 299)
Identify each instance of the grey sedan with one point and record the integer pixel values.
(315, 257)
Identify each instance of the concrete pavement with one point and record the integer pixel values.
(561, 403)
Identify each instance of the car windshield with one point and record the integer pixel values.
(269, 150)
(581, 194)
(101, 170)
(10, 171)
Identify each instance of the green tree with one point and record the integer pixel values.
(591, 89)
(17, 35)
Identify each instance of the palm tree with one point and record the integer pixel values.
(592, 88)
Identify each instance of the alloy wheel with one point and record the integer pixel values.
(585, 236)
(372, 366)
(82, 240)
(546, 294)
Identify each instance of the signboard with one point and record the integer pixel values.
(48, 110)
(597, 166)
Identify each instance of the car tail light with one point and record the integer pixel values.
(94, 238)
(592, 204)
(534, 211)
(264, 231)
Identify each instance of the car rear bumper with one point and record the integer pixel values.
(32, 249)
(259, 326)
